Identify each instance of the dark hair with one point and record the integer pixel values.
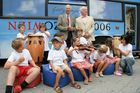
(42, 25)
(126, 38)
(108, 43)
(73, 40)
(20, 25)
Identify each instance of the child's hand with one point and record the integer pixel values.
(36, 66)
(117, 48)
(76, 48)
(21, 59)
(54, 70)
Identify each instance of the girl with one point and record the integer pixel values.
(99, 57)
(127, 59)
(110, 58)
(78, 60)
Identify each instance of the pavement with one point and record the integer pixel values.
(107, 84)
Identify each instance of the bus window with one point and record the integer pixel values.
(105, 10)
(22, 8)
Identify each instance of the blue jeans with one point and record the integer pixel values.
(126, 65)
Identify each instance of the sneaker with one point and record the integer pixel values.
(117, 74)
(96, 74)
(17, 89)
(101, 74)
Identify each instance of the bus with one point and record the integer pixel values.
(112, 18)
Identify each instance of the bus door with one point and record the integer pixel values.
(131, 23)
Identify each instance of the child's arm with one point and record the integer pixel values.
(108, 56)
(52, 67)
(47, 33)
(8, 64)
(71, 50)
(33, 63)
(125, 53)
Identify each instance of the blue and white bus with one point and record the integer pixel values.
(112, 18)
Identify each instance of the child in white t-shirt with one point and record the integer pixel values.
(58, 63)
(18, 65)
(127, 58)
(21, 34)
(46, 35)
(64, 44)
(79, 61)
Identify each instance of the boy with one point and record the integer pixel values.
(18, 65)
(21, 28)
(58, 64)
(46, 35)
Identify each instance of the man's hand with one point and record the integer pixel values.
(70, 28)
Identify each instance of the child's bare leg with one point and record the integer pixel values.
(85, 76)
(90, 74)
(99, 68)
(13, 72)
(117, 64)
(105, 65)
(68, 70)
(58, 75)
(32, 74)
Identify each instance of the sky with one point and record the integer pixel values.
(105, 10)
(24, 7)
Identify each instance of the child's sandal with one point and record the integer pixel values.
(58, 89)
(75, 85)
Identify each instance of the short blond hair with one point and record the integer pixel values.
(17, 43)
(103, 48)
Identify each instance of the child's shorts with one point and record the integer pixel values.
(82, 64)
(111, 61)
(63, 67)
(23, 70)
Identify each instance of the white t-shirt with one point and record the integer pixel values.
(57, 56)
(15, 56)
(127, 47)
(98, 56)
(110, 53)
(46, 40)
(19, 35)
(62, 47)
(77, 56)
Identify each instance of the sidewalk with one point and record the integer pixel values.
(107, 84)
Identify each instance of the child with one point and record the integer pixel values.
(18, 65)
(58, 64)
(78, 60)
(79, 33)
(99, 57)
(46, 35)
(64, 45)
(110, 58)
(88, 38)
(21, 34)
(127, 59)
